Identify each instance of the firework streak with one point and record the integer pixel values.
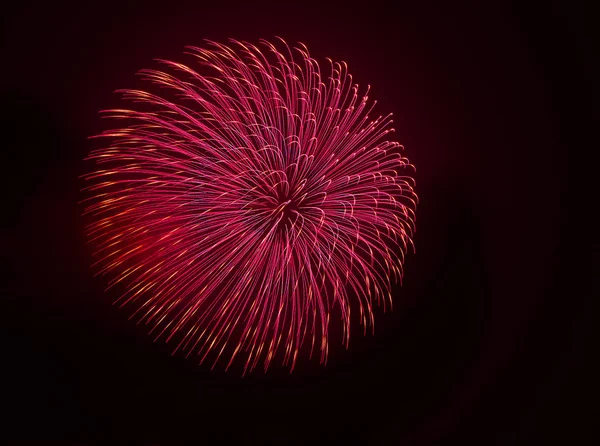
(241, 208)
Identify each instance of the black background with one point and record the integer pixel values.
(486, 343)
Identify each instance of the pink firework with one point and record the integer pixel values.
(242, 205)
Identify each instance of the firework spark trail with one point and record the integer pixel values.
(240, 209)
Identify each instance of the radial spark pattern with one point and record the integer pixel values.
(245, 199)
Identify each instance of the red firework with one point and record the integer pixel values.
(240, 207)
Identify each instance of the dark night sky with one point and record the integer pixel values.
(488, 339)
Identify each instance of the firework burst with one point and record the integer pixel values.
(240, 206)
